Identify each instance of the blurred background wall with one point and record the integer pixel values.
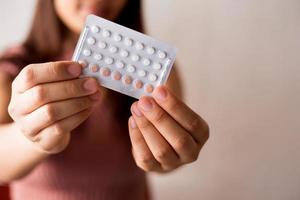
(240, 62)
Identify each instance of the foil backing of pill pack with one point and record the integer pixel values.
(122, 59)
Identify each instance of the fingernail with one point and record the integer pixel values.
(74, 70)
(160, 94)
(95, 97)
(136, 111)
(145, 104)
(132, 123)
(90, 85)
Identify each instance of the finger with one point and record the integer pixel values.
(35, 74)
(181, 141)
(141, 152)
(53, 112)
(159, 147)
(51, 136)
(185, 116)
(51, 92)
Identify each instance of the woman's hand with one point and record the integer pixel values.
(49, 101)
(165, 133)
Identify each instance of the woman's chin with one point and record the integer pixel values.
(99, 12)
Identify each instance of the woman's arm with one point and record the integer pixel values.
(17, 155)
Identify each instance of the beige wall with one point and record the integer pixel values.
(240, 61)
(240, 64)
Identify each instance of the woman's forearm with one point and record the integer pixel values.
(18, 155)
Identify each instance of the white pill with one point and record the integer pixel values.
(113, 49)
(161, 54)
(135, 58)
(109, 60)
(95, 29)
(102, 45)
(146, 62)
(120, 64)
(130, 68)
(157, 66)
(128, 42)
(142, 73)
(106, 33)
(150, 50)
(152, 77)
(139, 46)
(118, 38)
(124, 53)
(98, 56)
(91, 41)
(87, 52)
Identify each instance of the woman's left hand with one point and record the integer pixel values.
(165, 133)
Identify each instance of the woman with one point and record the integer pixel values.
(65, 137)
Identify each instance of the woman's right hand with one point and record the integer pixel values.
(49, 101)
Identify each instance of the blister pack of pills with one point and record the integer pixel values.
(122, 59)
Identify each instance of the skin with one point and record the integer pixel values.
(46, 101)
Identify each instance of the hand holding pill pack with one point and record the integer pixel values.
(122, 59)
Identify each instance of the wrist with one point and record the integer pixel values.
(31, 147)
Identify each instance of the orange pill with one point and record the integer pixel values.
(94, 68)
(116, 75)
(127, 80)
(105, 71)
(138, 84)
(149, 88)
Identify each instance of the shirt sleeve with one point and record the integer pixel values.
(11, 67)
